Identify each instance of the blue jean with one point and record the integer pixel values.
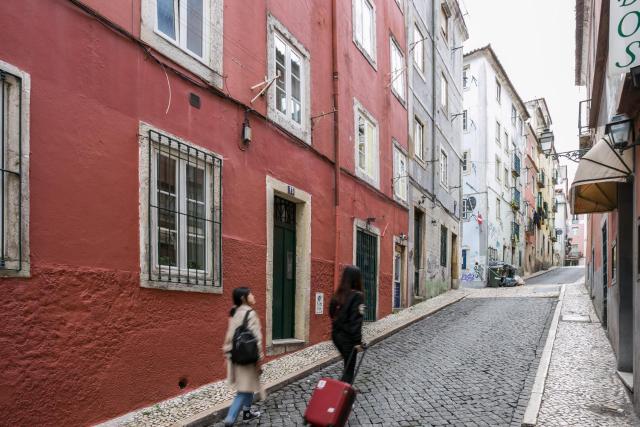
(243, 400)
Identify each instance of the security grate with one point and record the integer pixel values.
(185, 213)
(11, 177)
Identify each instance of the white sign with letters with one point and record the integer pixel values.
(624, 36)
(319, 303)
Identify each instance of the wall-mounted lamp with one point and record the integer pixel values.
(403, 237)
(246, 130)
(546, 141)
(620, 130)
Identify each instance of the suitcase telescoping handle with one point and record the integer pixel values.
(354, 353)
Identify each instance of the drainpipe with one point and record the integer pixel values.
(433, 99)
(336, 139)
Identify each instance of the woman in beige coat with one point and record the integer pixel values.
(244, 378)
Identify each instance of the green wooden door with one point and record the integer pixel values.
(366, 260)
(284, 269)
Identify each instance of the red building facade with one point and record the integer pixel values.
(154, 179)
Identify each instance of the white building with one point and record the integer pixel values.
(493, 143)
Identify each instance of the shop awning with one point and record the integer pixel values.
(595, 186)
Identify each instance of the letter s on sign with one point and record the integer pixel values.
(632, 55)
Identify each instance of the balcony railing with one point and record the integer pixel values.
(515, 167)
(541, 179)
(530, 227)
(515, 199)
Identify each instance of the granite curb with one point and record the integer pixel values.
(535, 401)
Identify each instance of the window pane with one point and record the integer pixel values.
(167, 248)
(371, 155)
(367, 27)
(167, 221)
(195, 183)
(417, 49)
(362, 161)
(196, 217)
(166, 16)
(281, 88)
(295, 87)
(195, 252)
(195, 26)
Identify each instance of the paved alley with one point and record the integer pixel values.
(558, 276)
(582, 387)
(470, 364)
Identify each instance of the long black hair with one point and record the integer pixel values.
(351, 281)
(239, 297)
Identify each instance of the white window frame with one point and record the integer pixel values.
(444, 22)
(444, 168)
(506, 141)
(302, 130)
(498, 91)
(149, 217)
(398, 69)
(357, 23)
(498, 169)
(506, 176)
(418, 50)
(498, 203)
(16, 120)
(498, 133)
(418, 140)
(373, 176)
(209, 64)
(400, 173)
(514, 115)
(444, 95)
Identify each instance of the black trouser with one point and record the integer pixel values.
(348, 357)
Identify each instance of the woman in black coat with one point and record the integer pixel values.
(347, 311)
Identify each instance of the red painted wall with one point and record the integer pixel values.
(81, 342)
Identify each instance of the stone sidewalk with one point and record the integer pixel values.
(582, 387)
(202, 405)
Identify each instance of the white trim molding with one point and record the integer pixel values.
(302, 199)
(209, 66)
(301, 130)
(17, 152)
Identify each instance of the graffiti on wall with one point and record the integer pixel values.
(476, 275)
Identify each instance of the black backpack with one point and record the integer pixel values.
(244, 347)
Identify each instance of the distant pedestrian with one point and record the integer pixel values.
(347, 311)
(244, 377)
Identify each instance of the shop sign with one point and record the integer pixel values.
(624, 36)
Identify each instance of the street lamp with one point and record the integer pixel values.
(546, 141)
(620, 130)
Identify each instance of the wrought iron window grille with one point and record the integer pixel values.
(185, 213)
(11, 176)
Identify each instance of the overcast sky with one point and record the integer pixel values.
(535, 42)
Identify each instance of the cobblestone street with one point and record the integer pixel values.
(473, 363)
(582, 387)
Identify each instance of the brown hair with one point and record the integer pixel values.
(351, 281)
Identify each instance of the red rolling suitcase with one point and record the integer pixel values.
(331, 401)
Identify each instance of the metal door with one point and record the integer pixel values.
(366, 260)
(284, 269)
